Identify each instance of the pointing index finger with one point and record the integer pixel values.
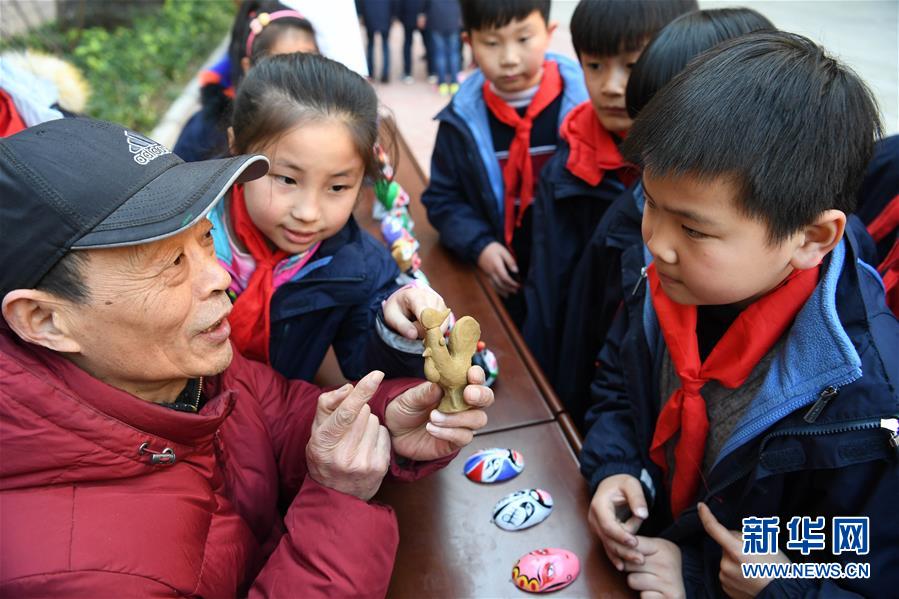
(717, 531)
(344, 414)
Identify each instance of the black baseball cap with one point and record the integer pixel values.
(73, 184)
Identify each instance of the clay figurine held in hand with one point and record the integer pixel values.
(448, 365)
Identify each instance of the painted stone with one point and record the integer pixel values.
(486, 359)
(494, 465)
(546, 570)
(522, 509)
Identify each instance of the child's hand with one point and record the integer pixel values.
(616, 512)
(499, 265)
(402, 308)
(660, 574)
(731, 574)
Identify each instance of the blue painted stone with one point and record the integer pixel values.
(494, 465)
(522, 509)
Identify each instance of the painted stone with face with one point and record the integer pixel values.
(522, 509)
(546, 570)
(494, 465)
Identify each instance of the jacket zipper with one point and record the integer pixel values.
(891, 425)
(640, 279)
(887, 424)
(823, 399)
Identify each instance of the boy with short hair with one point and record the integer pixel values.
(587, 172)
(495, 136)
(753, 367)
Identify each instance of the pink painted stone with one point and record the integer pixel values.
(546, 570)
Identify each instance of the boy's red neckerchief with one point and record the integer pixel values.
(593, 149)
(749, 338)
(518, 175)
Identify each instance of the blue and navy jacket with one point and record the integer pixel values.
(565, 214)
(464, 198)
(335, 299)
(810, 444)
(594, 296)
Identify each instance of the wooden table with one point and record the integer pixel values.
(448, 545)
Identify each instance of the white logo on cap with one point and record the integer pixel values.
(144, 149)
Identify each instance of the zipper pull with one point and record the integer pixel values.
(892, 425)
(640, 280)
(823, 399)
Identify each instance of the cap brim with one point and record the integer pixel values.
(174, 201)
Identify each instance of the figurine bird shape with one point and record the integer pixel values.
(447, 365)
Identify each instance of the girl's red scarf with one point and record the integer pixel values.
(10, 121)
(250, 318)
(749, 338)
(518, 175)
(593, 149)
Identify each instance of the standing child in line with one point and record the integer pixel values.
(305, 276)
(281, 31)
(495, 136)
(377, 15)
(587, 172)
(443, 21)
(751, 372)
(595, 289)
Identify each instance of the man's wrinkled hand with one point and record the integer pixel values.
(349, 450)
(419, 432)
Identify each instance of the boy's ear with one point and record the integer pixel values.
(231, 140)
(818, 239)
(245, 64)
(466, 39)
(551, 28)
(39, 318)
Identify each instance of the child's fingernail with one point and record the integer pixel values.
(642, 512)
(438, 417)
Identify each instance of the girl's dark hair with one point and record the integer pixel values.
(609, 27)
(680, 41)
(262, 43)
(493, 14)
(283, 91)
(770, 111)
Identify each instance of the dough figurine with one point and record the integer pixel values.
(448, 365)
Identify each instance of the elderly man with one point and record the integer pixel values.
(139, 454)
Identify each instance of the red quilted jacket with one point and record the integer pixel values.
(83, 513)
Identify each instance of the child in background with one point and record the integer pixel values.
(377, 16)
(748, 374)
(443, 20)
(587, 172)
(281, 31)
(305, 276)
(408, 13)
(595, 288)
(495, 136)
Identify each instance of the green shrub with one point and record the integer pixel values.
(136, 72)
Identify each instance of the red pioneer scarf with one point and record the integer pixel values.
(749, 338)
(10, 121)
(249, 319)
(593, 150)
(518, 175)
(885, 224)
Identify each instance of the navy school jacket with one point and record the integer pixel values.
(566, 211)
(464, 197)
(594, 297)
(337, 301)
(811, 443)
